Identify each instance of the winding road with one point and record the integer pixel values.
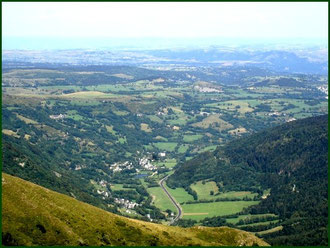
(176, 204)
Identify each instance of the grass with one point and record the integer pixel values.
(161, 138)
(10, 133)
(169, 163)
(272, 230)
(183, 148)
(192, 138)
(203, 190)
(237, 131)
(84, 102)
(73, 115)
(35, 216)
(145, 127)
(88, 94)
(237, 194)
(246, 216)
(209, 148)
(266, 223)
(122, 140)
(200, 211)
(166, 146)
(213, 121)
(155, 118)
(110, 129)
(26, 120)
(160, 199)
(120, 112)
(179, 194)
(118, 186)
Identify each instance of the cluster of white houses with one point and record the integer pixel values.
(57, 117)
(121, 166)
(126, 203)
(146, 164)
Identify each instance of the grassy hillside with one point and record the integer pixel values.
(33, 215)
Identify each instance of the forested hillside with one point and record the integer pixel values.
(291, 160)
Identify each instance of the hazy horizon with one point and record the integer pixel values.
(51, 25)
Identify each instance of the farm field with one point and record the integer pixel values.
(200, 211)
(204, 190)
(160, 199)
(247, 216)
(180, 194)
(167, 146)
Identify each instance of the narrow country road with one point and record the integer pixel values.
(176, 204)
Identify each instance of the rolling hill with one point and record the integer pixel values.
(291, 160)
(33, 215)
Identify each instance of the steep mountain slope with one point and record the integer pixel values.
(33, 215)
(291, 160)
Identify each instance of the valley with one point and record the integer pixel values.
(110, 135)
(164, 124)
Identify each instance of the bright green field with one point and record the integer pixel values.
(180, 195)
(200, 211)
(203, 190)
(118, 186)
(236, 194)
(183, 148)
(168, 163)
(160, 199)
(208, 148)
(73, 115)
(191, 138)
(167, 146)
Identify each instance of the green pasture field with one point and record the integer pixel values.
(169, 163)
(203, 190)
(167, 146)
(26, 120)
(119, 186)
(160, 138)
(209, 148)
(110, 87)
(179, 121)
(155, 118)
(275, 229)
(246, 216)
(237, 194)
(73, 115)
(241, 93)
(160, 199)
(110, 129)
(270, 90)
(122, 140)
(213, 121)
(266, 223)
(180, 195)
(61, 87)
(191, 138)
(145, 127)
(200, 211)
(85, 102)
(183, 148)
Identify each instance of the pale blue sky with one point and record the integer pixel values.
(195, 19)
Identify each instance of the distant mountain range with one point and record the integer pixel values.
(312, 61)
